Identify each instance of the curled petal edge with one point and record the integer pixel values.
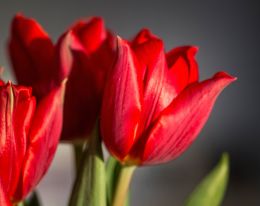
(181, 122)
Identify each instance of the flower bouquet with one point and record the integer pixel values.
(91, 88)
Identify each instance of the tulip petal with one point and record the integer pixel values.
(154, 100)
(31, 53)
(87, 77)
(4, 201)
(147, 48)
(63, 58)
(183, 66)
(2, 82)
(122, 102)
(16, 109)
(158, 87)
(44, 137)
(143, 36)
(181, 122)
(91, 33)
(82, 98)
(96, 42)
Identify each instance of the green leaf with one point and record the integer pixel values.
(113, 169)
(33, 200)
(90, 185)
(210, 192)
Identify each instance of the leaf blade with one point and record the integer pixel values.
(212, 188)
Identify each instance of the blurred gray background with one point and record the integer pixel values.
(228, 35)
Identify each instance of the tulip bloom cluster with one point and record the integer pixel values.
(148, 104)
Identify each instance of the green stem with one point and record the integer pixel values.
(78, 151)
(33, 200)
(89, 188)
(123, 183)
(21, 204)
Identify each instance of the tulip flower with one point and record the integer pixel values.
(29, 136)
(93, 49)
(36, 61)
(83, 54)
(154, 105)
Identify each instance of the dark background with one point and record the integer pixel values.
(228, 35)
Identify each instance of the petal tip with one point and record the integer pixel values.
(121, 42)
(225, 75)
(97, 20)
(193, 50)
(118, 38)
(9, 83)
(19, 15)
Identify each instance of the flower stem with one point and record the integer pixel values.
(21, 204)
(123, 183)
(78, 151)
(89, 188)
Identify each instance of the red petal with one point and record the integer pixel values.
(147, 48)
(91, 33)
(2, 83)
(31, 53)
(17, 107)
(82, 98)
(154, 100)
(63, 57)
(181, 122)
(158, 87)
(85, 88)
(121, 103)
(143, 36)
(4, 200)
(44, 137)
(183, 66)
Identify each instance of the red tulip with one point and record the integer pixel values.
(83, 54)
(36, 61)
(29, 135)
(153, 105)
(93, 54)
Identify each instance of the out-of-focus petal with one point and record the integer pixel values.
(91, 33)
(93, 51)
(180, 123)
(121, 107)
(143, 36)
(63, 57)
(1, 82)
(183, 66)
(31, 53)
(44, 137)
(82, 98)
